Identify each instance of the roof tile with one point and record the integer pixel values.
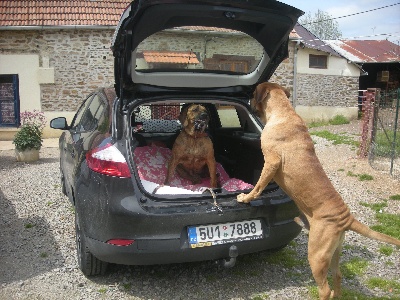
(170, 57)
(56, 12)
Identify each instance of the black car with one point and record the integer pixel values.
(113, 157)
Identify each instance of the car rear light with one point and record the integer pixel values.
(108, 160)
(120, 242)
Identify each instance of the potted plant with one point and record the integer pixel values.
(28, 140)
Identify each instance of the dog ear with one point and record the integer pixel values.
(261, 93)
(182, 116)
(286, 92)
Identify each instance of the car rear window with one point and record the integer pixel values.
(199, 48)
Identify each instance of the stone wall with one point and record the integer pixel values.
(327, 90)
(82, 61)
(284, 74)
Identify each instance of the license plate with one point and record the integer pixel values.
(217, 234)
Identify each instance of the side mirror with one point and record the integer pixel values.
(59, 123)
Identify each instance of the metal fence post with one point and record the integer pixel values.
(395, 132)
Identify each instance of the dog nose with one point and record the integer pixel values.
(203, 116)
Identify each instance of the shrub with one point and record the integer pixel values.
(339, 120)
(30, 134)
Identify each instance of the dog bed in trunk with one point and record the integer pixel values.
(152, 164)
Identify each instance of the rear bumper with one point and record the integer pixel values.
(167, 251)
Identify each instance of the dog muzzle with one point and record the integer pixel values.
(200, 125)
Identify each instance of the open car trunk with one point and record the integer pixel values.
(236, 139)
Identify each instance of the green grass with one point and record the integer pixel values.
(394, 197)
(336, 139)
(262, 296)
(386, 250)
(354, 267)
(347, 295)
(339, 120)
(389, 224)
(364, 177)
(29, 225)
(351, 174)
(385, 285)
(384, 144)
(361, 177)
(336, 120)
(377, 207)
(357, 267)
(389, 263)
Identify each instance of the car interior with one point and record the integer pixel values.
(234, 132)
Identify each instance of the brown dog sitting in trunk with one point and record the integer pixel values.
(193, 151)
(290, 160)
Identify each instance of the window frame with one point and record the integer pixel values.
(314, 61)
(13, 80)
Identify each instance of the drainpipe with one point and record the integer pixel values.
(294, 96)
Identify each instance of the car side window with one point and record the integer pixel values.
(88, 115)
(228, 116)
(91, 116)
(78, 116)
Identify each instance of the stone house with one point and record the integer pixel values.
(52, 57)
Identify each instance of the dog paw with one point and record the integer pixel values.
(335, 294)
(244, 198)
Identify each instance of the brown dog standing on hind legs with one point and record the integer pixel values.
(290, 160)
(193, 149)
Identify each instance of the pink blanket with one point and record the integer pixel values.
(152, 163)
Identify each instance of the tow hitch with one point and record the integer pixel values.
(231, 261)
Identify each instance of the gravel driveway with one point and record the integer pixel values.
(37, 247)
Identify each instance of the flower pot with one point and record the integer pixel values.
(28, 155)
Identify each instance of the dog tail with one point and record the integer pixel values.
(364, 230)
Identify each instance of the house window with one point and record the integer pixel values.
(9, 101)
(318, 61)
(232, 66)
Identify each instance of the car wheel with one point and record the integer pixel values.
(88, 263)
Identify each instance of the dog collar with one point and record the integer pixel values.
(196, 135)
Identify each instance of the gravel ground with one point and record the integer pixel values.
(37, 248)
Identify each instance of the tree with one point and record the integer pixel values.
(321, 25)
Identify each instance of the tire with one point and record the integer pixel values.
(88, 263)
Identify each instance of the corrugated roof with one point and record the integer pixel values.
(61, 13)
(367, 51)
(170, 57)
